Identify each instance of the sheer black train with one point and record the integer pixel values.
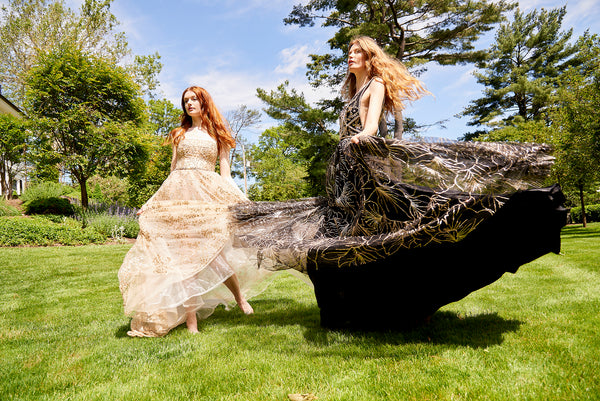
(408, 227)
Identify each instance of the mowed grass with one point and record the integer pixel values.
(533, 335)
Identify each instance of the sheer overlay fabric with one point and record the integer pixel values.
(415, 224)
(384, 195)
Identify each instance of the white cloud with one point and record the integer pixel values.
(293, 58)
(231, 89)
(228, 89)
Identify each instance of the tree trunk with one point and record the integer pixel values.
(84, 194)
(3, 183)
(398, 124)
(245, 178)
(4, 189)
(583, 217)
(10, 187)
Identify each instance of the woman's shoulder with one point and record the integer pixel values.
(377, 85)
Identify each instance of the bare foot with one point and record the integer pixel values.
(246, 307)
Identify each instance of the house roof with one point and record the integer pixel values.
(7, 107)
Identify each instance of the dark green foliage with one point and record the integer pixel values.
(307, 137)
(88, 115)
(143, 182)
(41, 231)
(592, 213)
(55, 206)
(415, 32)
(523, 69)
(278, 167)
(576, 125)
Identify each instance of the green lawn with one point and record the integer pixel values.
(529, 336)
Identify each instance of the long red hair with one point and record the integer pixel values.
(400, 85)
(211, 120)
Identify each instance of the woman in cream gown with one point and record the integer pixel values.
(183, 254)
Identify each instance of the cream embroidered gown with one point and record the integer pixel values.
(183, 251)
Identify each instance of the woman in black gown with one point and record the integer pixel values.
(406, 227)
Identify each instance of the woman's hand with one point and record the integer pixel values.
(356, 138)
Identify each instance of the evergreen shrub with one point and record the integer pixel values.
(56, 206)
(592, 213)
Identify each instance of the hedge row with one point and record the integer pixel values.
(40, 231)
(592, 213)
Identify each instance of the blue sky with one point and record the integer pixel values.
(232, 47)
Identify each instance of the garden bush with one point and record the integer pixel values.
(7, 210)
(592, 213)
(45, 190)
(108, 190)
(58, 206)
(40, 230)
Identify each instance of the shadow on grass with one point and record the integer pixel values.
(477, 331)
(577, 231)
(121, 332)
(446, 328)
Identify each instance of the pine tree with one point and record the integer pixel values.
(414, 31)
(523, 69)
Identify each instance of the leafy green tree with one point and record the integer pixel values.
(145, 70)
(523, 69)
(571, 125)
(414, 31)
(518, 130)
(30, 28)
(278, 167)
(576, 124)
(163, 116)
(309, 130)
(89, 112)
(14, 137)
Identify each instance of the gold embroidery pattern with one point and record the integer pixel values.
(183, 254)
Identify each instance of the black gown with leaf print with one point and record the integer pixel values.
(408, 226)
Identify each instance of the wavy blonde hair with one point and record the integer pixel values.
(211, 120)
(399, 84)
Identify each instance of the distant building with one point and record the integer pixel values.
(6, 107)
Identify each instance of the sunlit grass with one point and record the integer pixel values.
(529, 336)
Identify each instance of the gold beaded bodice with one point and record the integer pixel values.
(197, 151)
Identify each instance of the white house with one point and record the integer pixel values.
(6, 107)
